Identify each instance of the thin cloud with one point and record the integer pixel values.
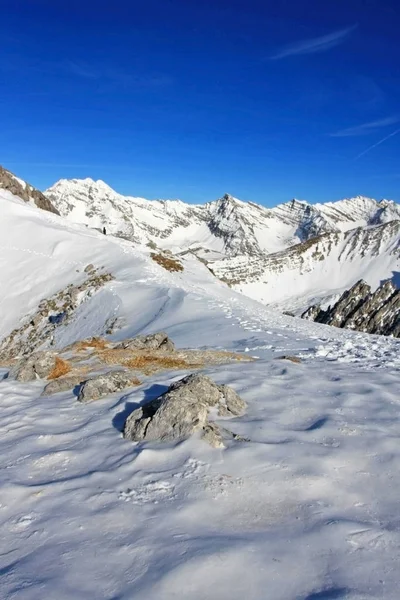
(367, 128)
(377, 143)
(106, 73)
(311, 46)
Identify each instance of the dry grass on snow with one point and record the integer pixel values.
(61, 367)
(167, 262)
(95, 343)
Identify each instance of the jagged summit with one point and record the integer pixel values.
(294, 250)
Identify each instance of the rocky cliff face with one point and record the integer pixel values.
(363, 310)
(23, 190)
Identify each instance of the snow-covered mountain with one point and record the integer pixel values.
(317, 270)
(291, 255)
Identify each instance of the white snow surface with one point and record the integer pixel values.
(305, 510)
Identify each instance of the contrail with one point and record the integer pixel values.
(377, 143)
(314, 45)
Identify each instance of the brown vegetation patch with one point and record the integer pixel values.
(61, 367)
(95, 343)
(167, 262)
(146, 362)
(152, 361)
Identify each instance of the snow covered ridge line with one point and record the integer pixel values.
(224, 227)
(290, 257)
(360, 309)
(23, 190)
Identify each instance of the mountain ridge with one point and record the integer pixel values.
(289, 256)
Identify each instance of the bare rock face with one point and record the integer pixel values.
(183, 410)
(311, 313)
(153, 341)
(106, 383)
(360, 309)
(37, 366)
(23, 190)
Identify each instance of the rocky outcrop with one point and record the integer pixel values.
(38, 329)
(63, 384)
(183, 410)
(153, 341)
(106, 383)
(23, 190)
(38, 366)
(360, 309)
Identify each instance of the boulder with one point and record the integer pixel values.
(106, 383)
(37, 366)
(61, 384)
(183, 410)
(153, 341)
(89, 268)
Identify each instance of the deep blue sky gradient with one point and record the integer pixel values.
(192, 99)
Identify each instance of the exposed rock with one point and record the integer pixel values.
(231, 403)
(106, 383)
(89, 268)
(360, 309)
(311, 313)
(37, 330)
(183, 410)
(153, 341)
(212, 435)
(23, 190)
(38, 366)
(62, 384)
(293, 359)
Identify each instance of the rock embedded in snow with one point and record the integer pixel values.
(153, 341)
(360, 309)
(61, 384)
(293, 359)
(183, 410)
(106, 383)
(37, 366)
(89, 268)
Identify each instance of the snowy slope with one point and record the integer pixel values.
(318, 269)
(307, 509)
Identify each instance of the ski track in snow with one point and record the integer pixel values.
(306, 510)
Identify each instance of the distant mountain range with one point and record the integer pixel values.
(289, 257)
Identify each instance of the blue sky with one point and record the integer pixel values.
(190, 99)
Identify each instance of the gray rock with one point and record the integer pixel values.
(89, 268)
(25, 191)
(106, 383)
(212, 435)
(360, 309)
(62, 384)
(37, 366)
(153, 341)
(182, 411)
(230, 404)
